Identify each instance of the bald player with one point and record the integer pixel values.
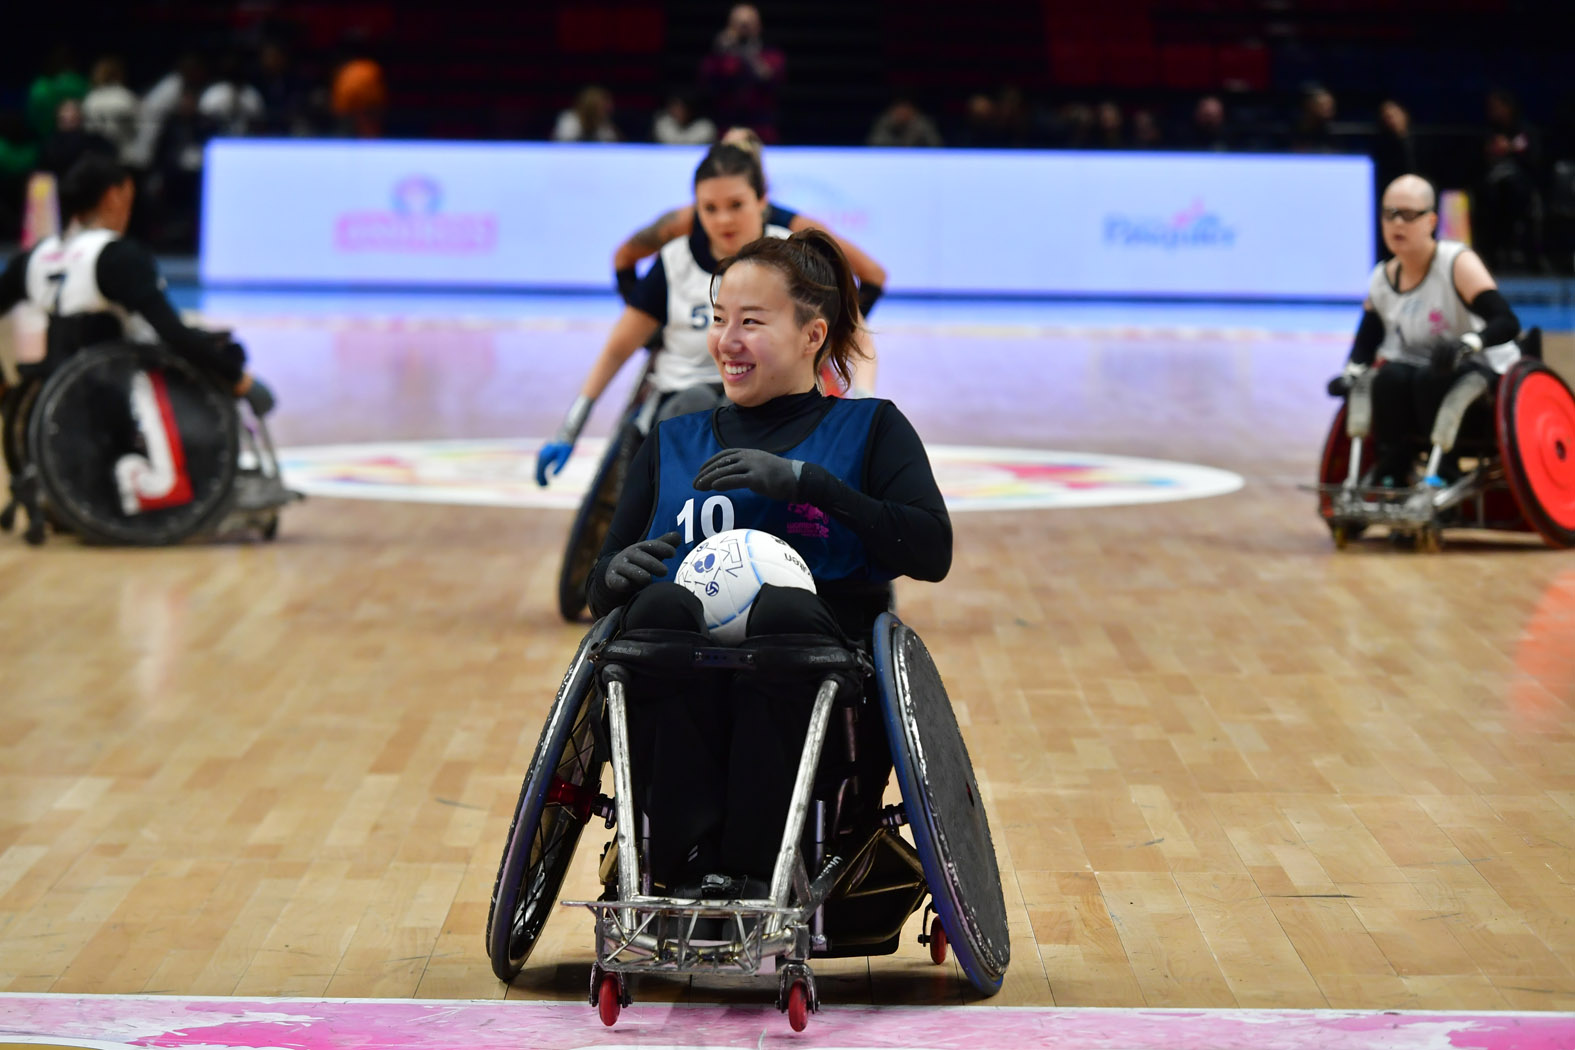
(1433, 315)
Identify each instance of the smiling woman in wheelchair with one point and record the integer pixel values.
(846, 482)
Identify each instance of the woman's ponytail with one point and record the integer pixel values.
(820, 282)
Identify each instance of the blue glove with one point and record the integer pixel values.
(551, 458)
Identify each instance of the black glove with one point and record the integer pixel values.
(633, 567)
(1446, 354)
(259, 397)
(1340, 385)
(627, 279)
(749, 468)
(869, 293)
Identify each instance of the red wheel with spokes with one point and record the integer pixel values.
(607, 1004)
(1536, 435)
(798, 1006)
(937, 942)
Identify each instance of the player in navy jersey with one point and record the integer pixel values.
(845, 482)
(674, 299)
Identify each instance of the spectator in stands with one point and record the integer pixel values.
(979, 130)
(359, 96)
(18, 157)
(742, 76)
(1208, 131)
(1315, 126)
(190, 75)
(58, 82)
(71, 141)
(175, 175)
(1109, 126)
(1510, 206)
(111, 109)
(1073, 126)
(286, 99)
(230, 105)
(1394, 153)
(1145, 130)
(903, 125)
(590, 119)
(679, 125)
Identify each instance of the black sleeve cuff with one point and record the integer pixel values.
(1502, 324)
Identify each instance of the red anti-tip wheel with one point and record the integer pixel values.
(607, 1004)
(937, 942)
(798, 1006)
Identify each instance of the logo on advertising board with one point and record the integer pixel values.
(416, 224)
(1192, 227)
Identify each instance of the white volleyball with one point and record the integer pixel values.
(726, 572)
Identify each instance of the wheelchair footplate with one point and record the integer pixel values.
(1419, 511)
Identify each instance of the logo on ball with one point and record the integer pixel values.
(726, 572)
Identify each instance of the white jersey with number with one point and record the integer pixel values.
(684, 360)
(62, 280)
(1430, 311)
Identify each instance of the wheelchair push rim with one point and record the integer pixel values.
(553, 807)
(197, 417)
(951, 831)
(1537, 437)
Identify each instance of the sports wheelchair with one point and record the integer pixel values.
(845, 880)
(128, 443)
(1520, 433)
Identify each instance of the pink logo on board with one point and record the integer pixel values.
(416, 224)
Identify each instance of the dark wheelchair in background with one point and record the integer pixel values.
(1517, 434)
(128, 443)
(845, 879)
(595, 514)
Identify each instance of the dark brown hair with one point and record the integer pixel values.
(820, 283)
(731, 160)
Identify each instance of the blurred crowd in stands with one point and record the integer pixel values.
(1523, 185)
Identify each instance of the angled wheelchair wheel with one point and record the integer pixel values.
(134, 446)
(945, 810)
(593, 520)
(1536, 437)
(555, 802)
(15, 408)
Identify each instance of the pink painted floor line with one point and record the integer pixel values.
(401, 1024)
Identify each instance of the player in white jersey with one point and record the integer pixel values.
(1433, 314)
(674, 298)
(96, 286)
(679, 222)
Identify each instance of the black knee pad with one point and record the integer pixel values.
(664, 606)
(790, 610)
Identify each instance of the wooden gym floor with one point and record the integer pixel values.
(1226, 766)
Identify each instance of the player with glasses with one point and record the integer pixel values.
(1433, 315)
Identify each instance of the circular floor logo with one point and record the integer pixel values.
(502, 473)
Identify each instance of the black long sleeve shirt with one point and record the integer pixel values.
(897, 510)
(129, 278)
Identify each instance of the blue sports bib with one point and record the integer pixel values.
(830, 548)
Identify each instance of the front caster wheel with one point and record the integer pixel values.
(798, 1006)
(608, 998)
